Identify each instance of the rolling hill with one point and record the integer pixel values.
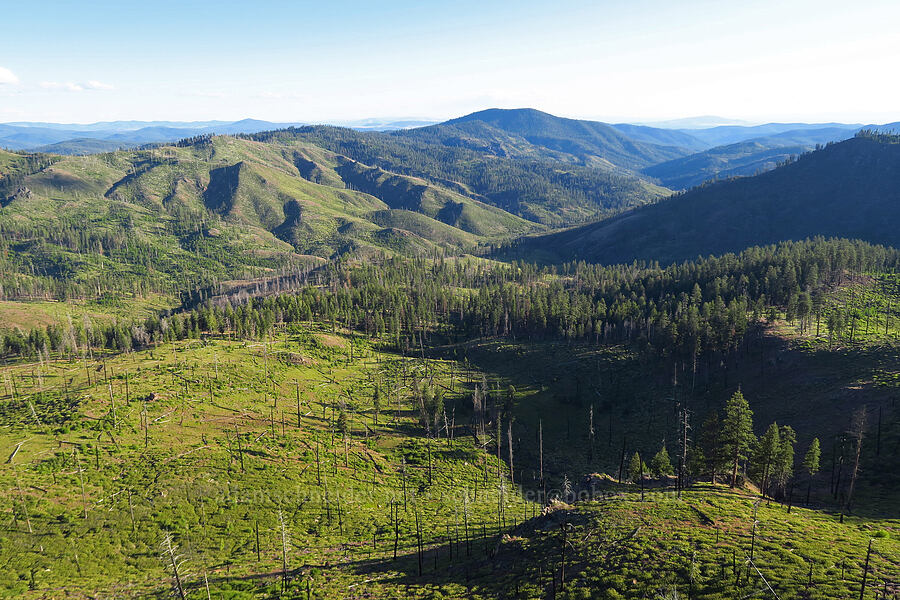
(847, 189)
(660, 136)
(213, 209)
(76, 138)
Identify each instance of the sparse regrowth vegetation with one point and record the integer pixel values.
(280, 365)
(401, 430)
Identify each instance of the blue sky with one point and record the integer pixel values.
(643, 60)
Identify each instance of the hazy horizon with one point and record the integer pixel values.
(684, 122)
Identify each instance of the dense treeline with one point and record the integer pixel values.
(684, 311)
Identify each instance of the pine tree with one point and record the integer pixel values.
(737, 431)
(783, 467)
(712, 451)
(660, 464)
(636, 467)
(811, 464)
(765, 455)
(342, 422)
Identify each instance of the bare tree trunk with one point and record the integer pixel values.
(862, 589)
(81, 481)
(169, 552)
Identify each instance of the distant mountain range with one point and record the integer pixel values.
(700, 122)
(849, 189)
(677, 154)
(107, 136)
(550, 170)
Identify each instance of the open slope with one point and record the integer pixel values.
(848, 189)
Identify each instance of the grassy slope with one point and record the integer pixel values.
(623, 547)
(40, 313)
(403, 192)
(128, 195)
(223, 210)
(255, 180)
(189, 479)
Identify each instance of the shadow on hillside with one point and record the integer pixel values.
(484, 565)
(814, 388)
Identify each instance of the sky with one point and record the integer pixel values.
(635, 60)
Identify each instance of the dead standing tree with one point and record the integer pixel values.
(174, 561)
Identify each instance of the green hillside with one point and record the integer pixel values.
(847, 189)
(209, 210)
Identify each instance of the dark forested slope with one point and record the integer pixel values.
(848, 189)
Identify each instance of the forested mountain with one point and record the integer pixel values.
(848, 189)
(584, 140)
(81, 146)
(107, 136)
(662, 137)
(546, 186)
(608, 168)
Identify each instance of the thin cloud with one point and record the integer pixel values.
(71, 86)
(61, 85)
(269, 95)
(93, 84)
(7, 77)
(207, 94)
